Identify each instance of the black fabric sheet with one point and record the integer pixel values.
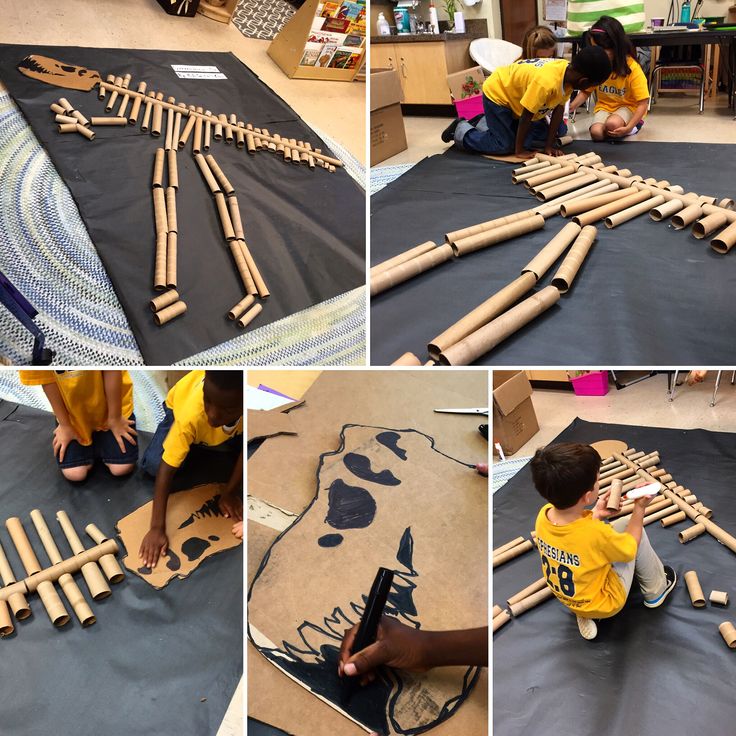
(646, 294)
(305, 229)
(650, 671)
(156, 662)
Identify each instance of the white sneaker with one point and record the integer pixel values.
(587, 627)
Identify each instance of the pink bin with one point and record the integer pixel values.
(469, 107)
(591, 384)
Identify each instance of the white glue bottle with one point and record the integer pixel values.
(433, 18)
(383, 27)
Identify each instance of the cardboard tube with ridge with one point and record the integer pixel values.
(728, 632)
(159, 267)
(225, 185)
(168, 313)
(507, 546)
(145, 123)
(614, 500)
(171, 259)
(483, 314)
(512, 553)
(227, 225)
(580, 181)
(163, 300)
(171, 223)
(574, 259)
(55, 107)
(158, 168)
(536, 586)
(188, 128)
(241, 306)
(206, 173)
(725, 240)
(487, 337)
(663, 211)
(407, 359)
(687, 216)
(109, 564)
(718, 596)
(629, 214)
(405, 271)
(709, 224)
(407, 255)
(500, 619)
(568, 209)
(481, 227)
(675, 518)
(169, 139)
(249, 316)
(17, 602)
(158, 113)
(159, 211)
(693, 588)
(263, 291)
(207, 131)
(250, 142)
(497, 235)
(242, 266)
(96, 583)
(546, 257)
(531, 601)
(172, 168)
(197, 141)
(135, 108)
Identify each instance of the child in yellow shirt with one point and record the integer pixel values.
(94, 411)
(589, 564)
(622, 100)
(516, 99)
(204, 408)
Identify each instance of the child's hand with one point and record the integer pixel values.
(643, 502)
(231, 506)
(600, 511)
(238, 530)
(63, 435)
(482, 469)
(550, 151)
(154, 545)
(396, 645)
(618, 132)
(122, 429)
(524, 155)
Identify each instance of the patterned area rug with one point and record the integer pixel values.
(262, 18)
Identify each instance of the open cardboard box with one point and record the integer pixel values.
(388, 136)
(514, 419)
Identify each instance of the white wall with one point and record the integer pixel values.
(660, 8)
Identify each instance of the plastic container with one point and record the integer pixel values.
(469, 107)
(591, 384)
(384, 29)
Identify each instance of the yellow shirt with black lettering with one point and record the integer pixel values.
(577, 559)
(190, 427)
(529, 84)
(84, 397)
(625, 91)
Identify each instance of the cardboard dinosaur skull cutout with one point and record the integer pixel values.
(385, 498)
(196, 530)
(57, 73)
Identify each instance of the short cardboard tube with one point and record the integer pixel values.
(242, 266)
(614, 499)
(404, 271)
(728, 632)
(249, 316)
(168, 313)
(718, 596)
(263, 291)
(407, 359)
(512, 553)
(536, 586)
(407, 255)
(725, 240)
(500, 619)
(685, 217)
(673, 519)
(158, 168)
(694, 590)
(531, 601)
(109, 564)
(163, 300)
(709, 224)
(665, 210)
(240, 307)
(566, 273)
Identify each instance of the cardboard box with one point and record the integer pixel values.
(514, 420)
(466, 83)
(388, 136)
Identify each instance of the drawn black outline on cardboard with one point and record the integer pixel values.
(472, 674)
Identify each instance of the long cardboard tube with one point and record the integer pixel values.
(404, 271)
(197, 141)
(521, 170)
(551, 208)
(172, 168)
(263, 291)
(614, 500)
(225, 184)
(496, 610)
(117, 87)
(207, 132)
(163, 300)
(487, 337)
(568, 209)
(176, 133)
(407, 255)
(512, 553)
(250, 142)
(718, 596)
(531, 601)
(725, 240)
(135, 108)
(483, 314)
(665, 210)
(160, 259)
(407, 359)
(206, 173)
(507, 546)
(525, 173)
(158, 112)
(500, 619)
(675, 518)
(17, 602)
(720, 534)
(618, 470)
(240, 263)
(145, 123)
(168, 313)
(171, 259)
(728, 632)
(540, 189)
(226, 222)
(109, 564)
(159, 211)
(580, 181)
(709, 209)
(543, 261)
(629, 214)
(709, 224)
(91, 573)
(71, 590)
(694, 590)
(687, 216)
(55, 609)
(121, 121)
(241, 306)
(599, 213)
(497, 235)
(188, 128)
(249, 316)
(549, 175)
(481, 227)
(536, 586)
(170, 113)
(574, 259)
(171, 223)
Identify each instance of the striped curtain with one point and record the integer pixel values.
(581, 14)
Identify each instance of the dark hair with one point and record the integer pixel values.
(565, 472)
(593, 64)
(226, 380)
(608, 33)
(537, 37)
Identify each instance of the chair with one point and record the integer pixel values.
(656, 74)
(491, 53)
(715, 389)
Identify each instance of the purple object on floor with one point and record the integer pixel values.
(262, 387)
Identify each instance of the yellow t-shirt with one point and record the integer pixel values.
(625, 91)
(190, 427)
(83, 393)
(576, 560)
(529, 84)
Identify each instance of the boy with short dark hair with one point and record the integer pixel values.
(588, 564)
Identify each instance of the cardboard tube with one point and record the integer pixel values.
(135, 108)
(17, 602)
(540, 189)
(147, 112)
(249, 316)
(496, 610)
(673, 519)
(481, 227)
(242, 266)
(551, 208)
(549, 175)
(507, 546)
(159, 211)
(725, 240)
(206, 173)
(536, 586)
(728, 632)
(687, 216)
(81, 119)
(110, 566)
(171, 223)
(512, 553)
(487, 337)
(225, 185)
(263, 291)
(118, 81)
(96, 584)
(665, 210)
(6, 623)
(546, 257)
(614, 500)
(407, 255)
(55, 107)
(158, 112)
(521, 170)
(693, 588)
(296, 154)
(574, 259)
(181, 109)
(66, 120)
(171, 259)
(531, 601)
(587, 218)
(240, 135)
(158, 169)
(227, 132)
(616, 471)
(497, 235)
(499, 620)
(163, 300)
(310, 158)
(250, 142)
(121, 121)
(709, 209)
(703, 510)
(86, 132)
(169, 139)
(718, 596)
(287, 152)
(197, 142)
(217, 133)
(651, 181)
(483, 314)
(159, 269)
(580, 181)
(241, 306)
(709, 224)
(407, 359)
(568, 209)
(67, 128)
(721, 535)
(168, 313)
(534, 170)
(629, 214)
(403, 272)
(676, 189)
(188, 128)
(173, 168)
(227, 225)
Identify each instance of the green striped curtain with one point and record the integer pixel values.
(581, 14)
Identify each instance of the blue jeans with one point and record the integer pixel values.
(152, 456)
(496, 134)
(104, 446)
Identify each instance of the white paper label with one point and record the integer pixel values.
(187, 71)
